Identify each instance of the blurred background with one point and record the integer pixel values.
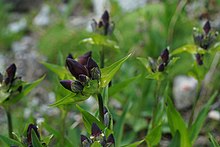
(38, 31)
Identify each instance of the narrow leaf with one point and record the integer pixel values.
(197, 125)
(109, 72)
(213, 141)
(10, 141)
(34, 139)
(135, 144)
(175, 140)
(154, 136)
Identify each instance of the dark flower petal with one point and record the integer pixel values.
(110, 139)
(96, 131)
(70, 56)
(165, 55)
(93, 69)
(30, 127)
(83, 79)
(84, 58)
(66, 84)
(199, 59)
(105, 17)
(11, 70)
(161, 67)
(207, 27)
(77, 87)
(76, 68)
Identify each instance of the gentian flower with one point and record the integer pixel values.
(29, 136)
(84, 70)
(104, 26)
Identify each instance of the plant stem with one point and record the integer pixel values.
(63, 120)
(102, 58)
(10, 127)
(101, 108)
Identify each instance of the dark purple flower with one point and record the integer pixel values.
(93, 69)
(110, 140)
(161, 67)
(96, 131)
(207, 27)
(84, 58)
(70, 56)
(76, 68)
(66, 84)
(29, 137)
(165, 55)
(199, 59)
(85, 142)
(11, 70)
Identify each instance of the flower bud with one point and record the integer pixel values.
(85, 142)
(161, 67)
(83, 79)
(66, 84)
(207, 27)
(110, 140)
(199, 59)
(95, 130)
(75, 68)
(84, 58)
(93, 69)
(70, 56)
(165, 55)
(11, 70)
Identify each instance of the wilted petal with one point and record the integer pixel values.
(11, 70)
(66, 84)
(161, 67)
(165, 55)
(30, 127)
(95, 130)
(77, 87)
(75, 68)
(207, 27)
(84, 58)
(110, 140)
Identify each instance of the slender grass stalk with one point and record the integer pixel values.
(63, 122)
(101, 108)
(10, 127)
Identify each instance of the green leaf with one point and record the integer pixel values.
(154, 136)
(120, 86)
(146, 62)
(27, 87)
(34, 139)
(96, 144)
(177, 123)
(190, 48)
(213, 141)
(110, 71)
(135, 144)
(89, 119)
(59, 70)
(101, 40)
(70, 99)
(47, 139)
(10, 141)
(197, 125)
(118, 129)
(175, 140)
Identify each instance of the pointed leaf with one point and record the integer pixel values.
(154, 136)
(214, 142)
(96, 144)
(34, 139)
(59, 70)
(10, 141)
(108, 72)
(135, 144)
(175, 140)
(89, 119)
(177, 123)
(190, 48)
(197, 125)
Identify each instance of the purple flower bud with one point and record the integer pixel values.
(199, 59)
(110, 140)
(93, 69)
(165, 55)
(95, 130)
(83, 79)
(30, 127)
(84, 58)
(11, 70)
(207, 27)
(105, 17)
(70, 56)
(66, 84)
(161, 67)
(75, 68)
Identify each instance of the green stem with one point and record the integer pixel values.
(10, 127)
(102, 58)
(63, 124)
(101, 108)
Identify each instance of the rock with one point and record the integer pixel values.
(215, 115)
(42, 18)
(184, 91)
(130, 5)
(18, 26)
